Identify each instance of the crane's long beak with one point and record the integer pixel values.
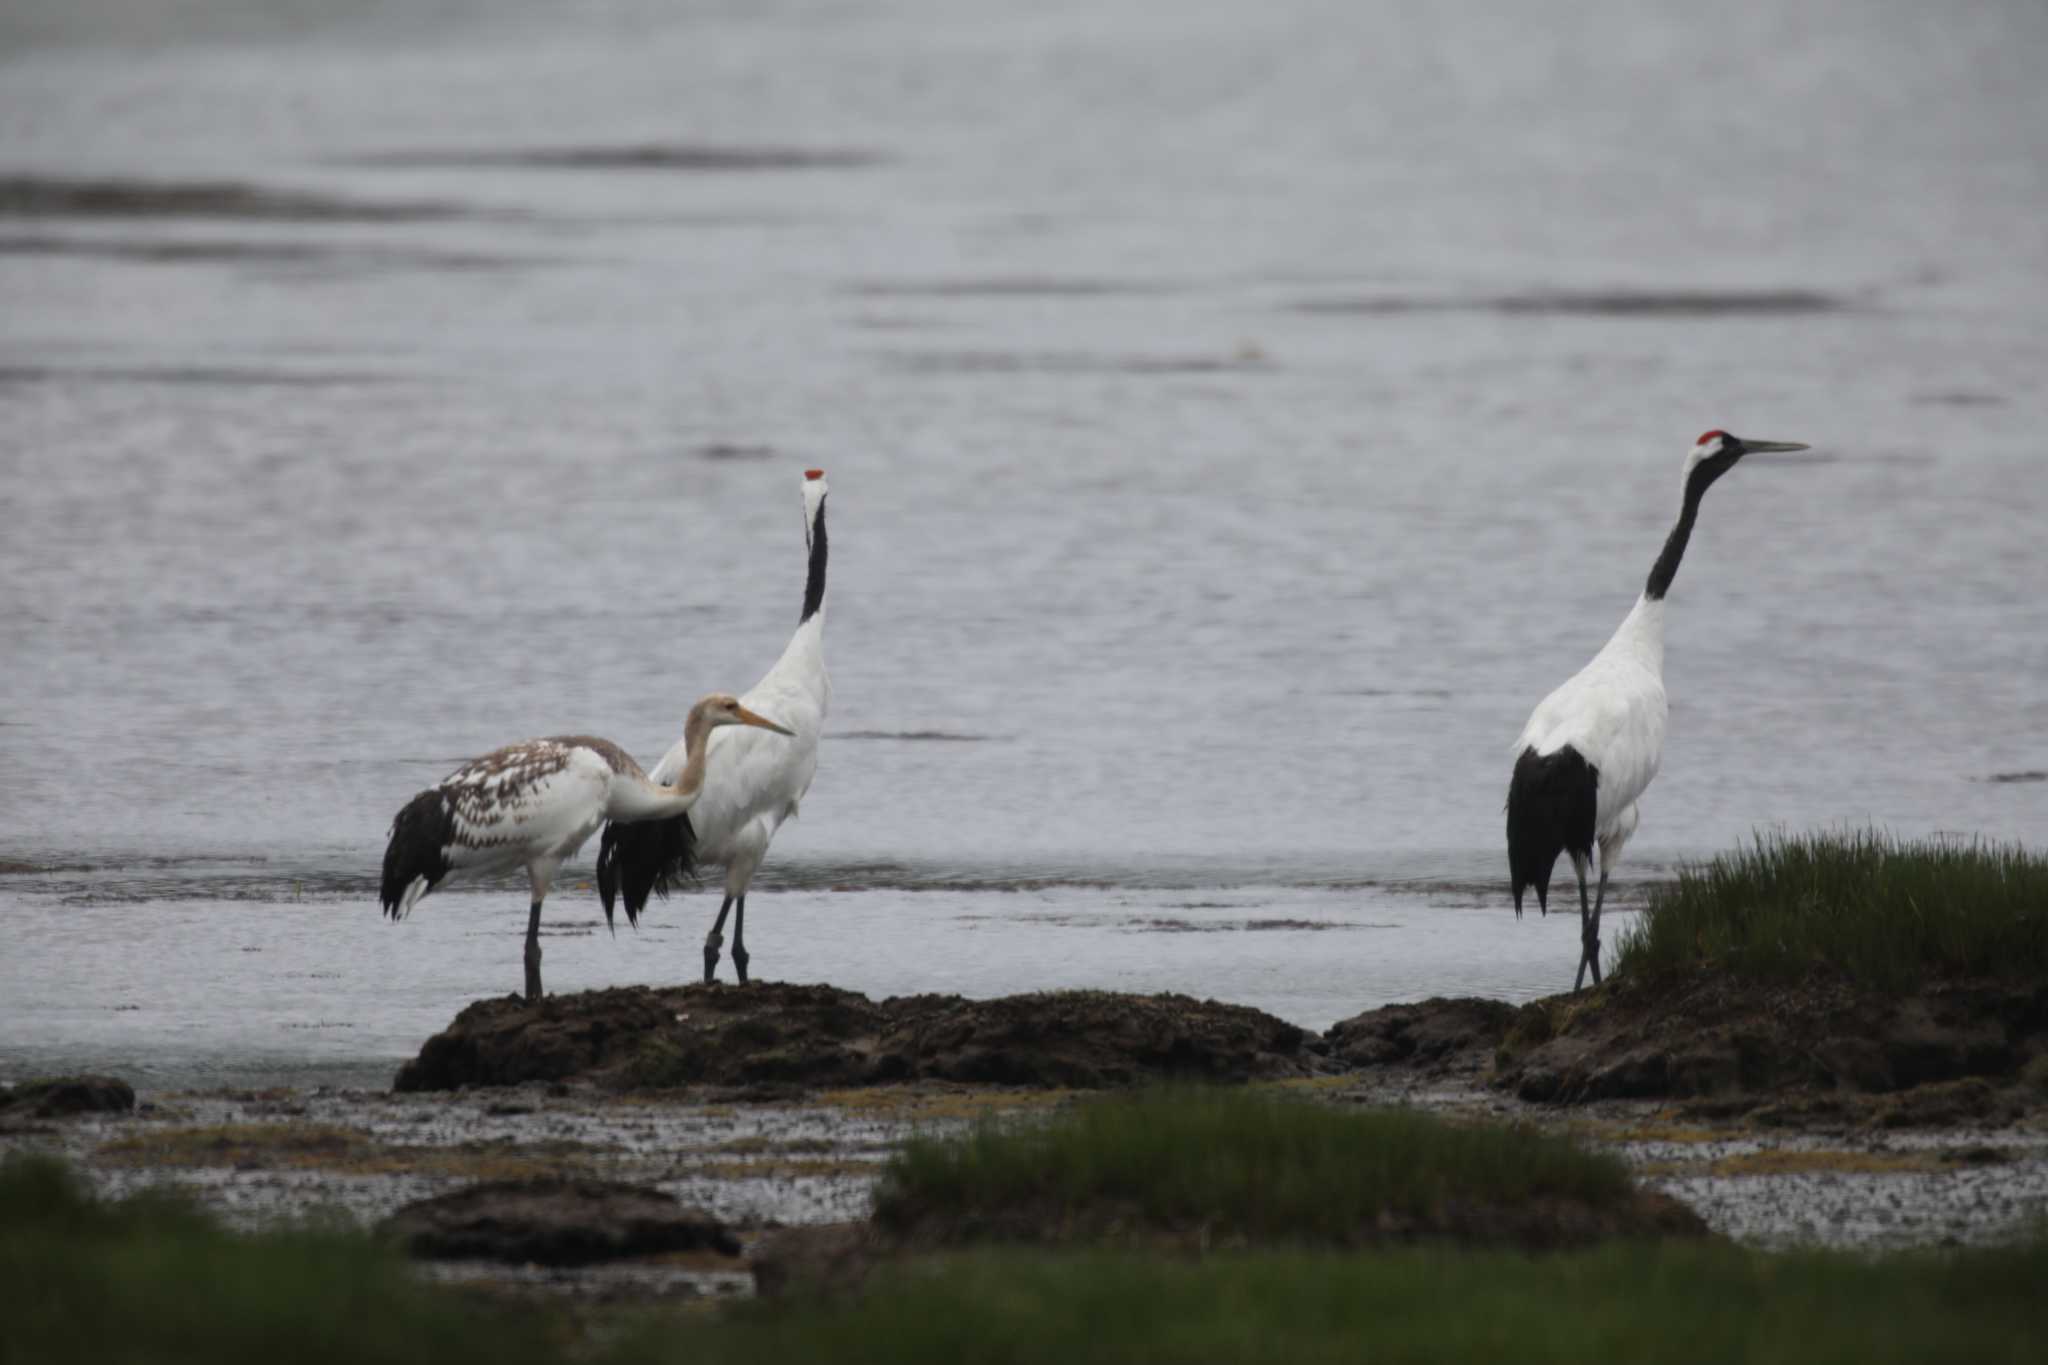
(1750, 447)
(753, 718)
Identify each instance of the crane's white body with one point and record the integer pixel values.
(534, 804)
(750, 787)
(1613, 711)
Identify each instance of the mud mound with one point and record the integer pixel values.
(553, 1222)
(776, 1034)
(59, 1096)
(1745, 1042)
(1096, 1038)
(1439, 1037)
(505, 1041)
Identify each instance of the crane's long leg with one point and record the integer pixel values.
(1593, 930)
(533, 955)
(739, 935)
(1589, 945)
(1610, 849)
(715, 939)
(539, 876)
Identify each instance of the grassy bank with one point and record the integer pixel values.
(1883, 912)
(1234, 1164)
(1670, 1303)
(153, 1279)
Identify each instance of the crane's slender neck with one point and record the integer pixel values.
(814, 581)
(1640, 636)
(1666, 567)
(642, 798)
(696, 752)
(1697, 482)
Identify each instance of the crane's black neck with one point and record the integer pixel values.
(814, 584)
(1696, 484)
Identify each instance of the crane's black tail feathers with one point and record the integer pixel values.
(418, 848)
(655, 856)
(1552, 801)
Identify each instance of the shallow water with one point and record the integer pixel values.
(1238, 417)
(192, 992)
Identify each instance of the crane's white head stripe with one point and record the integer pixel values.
(1710, 444)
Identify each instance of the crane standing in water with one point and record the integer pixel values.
(1591, 747)
(754, 783)
(534, 804)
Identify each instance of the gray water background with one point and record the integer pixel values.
(1238, 417)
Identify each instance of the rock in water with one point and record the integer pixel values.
(553, 1222)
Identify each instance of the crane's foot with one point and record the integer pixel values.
(711, 946)
(739, 961)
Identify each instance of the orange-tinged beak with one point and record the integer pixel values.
(754, 718)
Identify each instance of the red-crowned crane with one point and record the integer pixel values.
(753, 785)
(534, 804)
(1591, 747)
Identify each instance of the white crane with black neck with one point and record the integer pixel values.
(1591, 747)
(534, 804)
(751, 788)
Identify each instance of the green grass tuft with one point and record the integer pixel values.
(1883, 912)
(1671, 1303)
(151, 1278)
(1239, 1163)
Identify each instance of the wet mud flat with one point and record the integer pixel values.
(766, 1109)
(751, 1161)
(763, 1165)
(1769, 1185)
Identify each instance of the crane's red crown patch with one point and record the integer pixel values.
(1709, 435)
(814, 474)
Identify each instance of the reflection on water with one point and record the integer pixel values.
(1238, 418)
